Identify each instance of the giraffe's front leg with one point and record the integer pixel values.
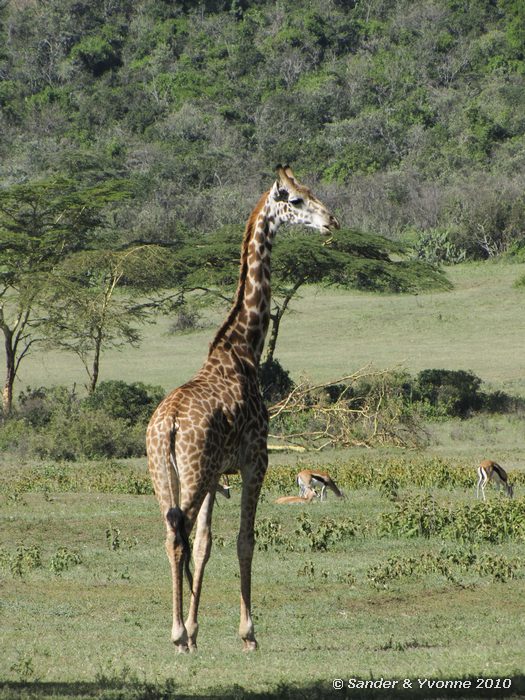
(251, 488)
(201, 554)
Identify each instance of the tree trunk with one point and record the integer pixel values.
(7, 392)
(272, 342)
(96, 364)
(276, 320)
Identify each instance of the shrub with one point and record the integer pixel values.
(447, 564)
(97, 54)
(38, 405)
(27, 558)
(130, 402)
(327, 532)
(13, 433)
(269, 534)
(275, 381)
(91, 434)
(450, 392)
(421, 516)
(435, 247)
(56, 423)
(63, 559)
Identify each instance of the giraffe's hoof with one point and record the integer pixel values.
(192, 647)
(182, 648)
(249, 645)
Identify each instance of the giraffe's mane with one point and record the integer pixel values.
(239, 295)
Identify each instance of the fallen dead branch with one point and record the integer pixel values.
(364, 409)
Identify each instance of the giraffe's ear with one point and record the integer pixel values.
(286, 178)
(279, 193)
(289, 173)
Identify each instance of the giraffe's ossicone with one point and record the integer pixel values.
(217, 422)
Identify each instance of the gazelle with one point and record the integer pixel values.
(224, 489)
(308, 479)
(310, 494)
(490, 471)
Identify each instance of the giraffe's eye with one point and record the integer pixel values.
(296, 201)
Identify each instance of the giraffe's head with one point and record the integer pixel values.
(296, 204)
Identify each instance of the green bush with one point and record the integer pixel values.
(90, 434)
(435, 246)
(97, 54)
(422, 516)
(13, 433)
(450, 392)
(130, 402)
(37, 406)
(275, 381)
(56, 423)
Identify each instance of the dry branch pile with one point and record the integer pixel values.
(364, 409)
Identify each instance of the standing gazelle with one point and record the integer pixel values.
(308, 479)
(490, 471)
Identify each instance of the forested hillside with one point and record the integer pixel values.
(408, 116)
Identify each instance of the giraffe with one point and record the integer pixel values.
(217, 422)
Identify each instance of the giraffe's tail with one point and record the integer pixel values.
(175, 518)
(175, 515)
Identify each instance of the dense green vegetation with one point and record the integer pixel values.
(134, 139)
(410, 115)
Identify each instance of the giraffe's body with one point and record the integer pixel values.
(217, 422)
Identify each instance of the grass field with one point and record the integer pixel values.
(86, 589)
(479, 326)
(352, 590)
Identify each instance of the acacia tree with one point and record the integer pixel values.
(41, 223)
(97, 298)
(348, 258)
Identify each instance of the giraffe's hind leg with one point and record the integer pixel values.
(167, 489)
(177, 532)
(201, 554)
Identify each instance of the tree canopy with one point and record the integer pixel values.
(348, 258)
(41, 224)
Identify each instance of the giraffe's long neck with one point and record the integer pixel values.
(244, 330)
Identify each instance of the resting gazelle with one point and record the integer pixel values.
(308, 480)
(310, 494)
(490, 471)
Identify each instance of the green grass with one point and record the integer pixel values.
(477, 326)
(101, 627)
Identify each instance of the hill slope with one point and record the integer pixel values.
(409, 114)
